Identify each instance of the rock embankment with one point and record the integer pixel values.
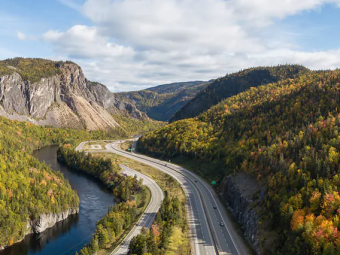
(237, 192)
(45, 221)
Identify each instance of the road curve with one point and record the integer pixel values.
(149, 214)
(207, 235)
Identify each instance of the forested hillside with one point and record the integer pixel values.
(162, 101)
(285, 135)
(30, 69)
(233, 84)
(29, 188)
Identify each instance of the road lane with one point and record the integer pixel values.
(201, 236)
(149, 214)
(207, 236)
(225, 238)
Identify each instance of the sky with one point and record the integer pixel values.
(135, 44)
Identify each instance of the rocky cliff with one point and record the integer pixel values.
(45, 221)
(63, 98)
(237, 193)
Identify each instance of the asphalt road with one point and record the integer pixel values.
(207, 234)
(149, 214)
(205, 211)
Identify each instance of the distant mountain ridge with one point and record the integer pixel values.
(53, 93)
(162, 101)
(233, 84)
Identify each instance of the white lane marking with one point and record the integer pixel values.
(196, 242)
(205, 186)
(151, 208)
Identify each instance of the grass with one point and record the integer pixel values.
(179, 241)
(166, 182)
(125, 146)
(87, 146)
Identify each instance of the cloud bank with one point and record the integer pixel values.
(134, 44)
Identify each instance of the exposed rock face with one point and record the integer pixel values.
(63, 100)
(114, 103)
(45, 221)
(237, 192)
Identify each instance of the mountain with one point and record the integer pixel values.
(278, 149)
(53, 93)
(162, 101)
(233, 84)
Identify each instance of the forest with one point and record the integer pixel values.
(28, 187)
(137, 126)
(129, 190)
(157, 240)
(110, 228)
(235, 83)
(162, 101)
(285, 135)
(30, 69)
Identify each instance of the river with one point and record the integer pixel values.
(68, 236)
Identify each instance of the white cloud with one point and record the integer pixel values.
(23, 37)
(86, 43)
(135, 44)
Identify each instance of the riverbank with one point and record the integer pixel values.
(76, 229)
(179, 242)
(121, 217)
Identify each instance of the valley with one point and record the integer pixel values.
(254, 155)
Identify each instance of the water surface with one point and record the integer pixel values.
(67, 236)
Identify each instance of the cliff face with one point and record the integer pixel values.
(114, 103)
(65, 99)
(237, 192)
(46, 221)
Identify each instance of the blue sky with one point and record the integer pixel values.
(134, 44)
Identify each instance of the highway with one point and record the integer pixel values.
(149, 214)
(205, 212)
(208, 236)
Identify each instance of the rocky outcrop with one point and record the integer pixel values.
(65, 99)
(46, 221)
(237, 193)
(114, 103)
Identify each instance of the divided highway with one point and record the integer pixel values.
(211, 229)
(205, 211)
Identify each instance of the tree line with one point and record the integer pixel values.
(129, 190)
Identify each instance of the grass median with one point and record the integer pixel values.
(179, 239)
